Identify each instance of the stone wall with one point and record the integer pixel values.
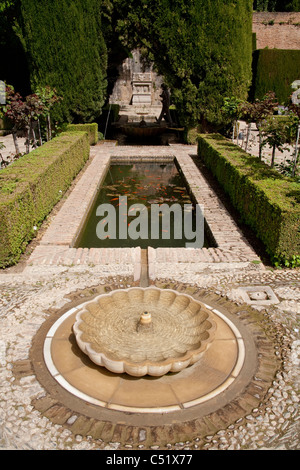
(277, 30)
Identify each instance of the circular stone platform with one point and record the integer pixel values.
(91, 401)
(209, 378)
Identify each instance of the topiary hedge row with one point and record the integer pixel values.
(32, 185)
(91, 129)
(267, 201)
(275, 70)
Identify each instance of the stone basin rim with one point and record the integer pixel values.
(146, 367)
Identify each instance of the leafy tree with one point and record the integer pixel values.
(293, 5)
(6, 4)
(23, 113)
(49, 98)
(117, 52)
(275, 133)
(15, 111)
(201, 47)
(66, 50)
(261, 5)
(257, 112)
(232, 109)
(34, 109)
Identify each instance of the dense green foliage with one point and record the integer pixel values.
(267, 201)
(66, 50)
(31, 186)
(117, 52)
(202, 48)
(14, 68)
(275, 70)
(276, 5)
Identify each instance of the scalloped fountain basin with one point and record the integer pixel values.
(144, 331)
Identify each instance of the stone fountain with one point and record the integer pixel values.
(143, 129)
(144, 331)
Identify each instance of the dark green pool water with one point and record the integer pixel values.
(138, 183)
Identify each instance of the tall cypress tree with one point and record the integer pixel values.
(66, 50)
(13, 63)
(201, 47)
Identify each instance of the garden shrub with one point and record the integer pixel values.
(275, 70)
(91, 129)
(267, 201)
(31, 186)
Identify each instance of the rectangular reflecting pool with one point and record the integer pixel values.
(141, 204)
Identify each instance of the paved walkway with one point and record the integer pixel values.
(40, 289)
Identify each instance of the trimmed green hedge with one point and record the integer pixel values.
(275, 70)
(91, 129)
(31, 186)
(267, 201)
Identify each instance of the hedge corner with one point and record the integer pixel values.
(91, 129)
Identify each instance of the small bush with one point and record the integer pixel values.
(266, 200)
(31, 186)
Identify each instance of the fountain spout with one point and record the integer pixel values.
(145, 323)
